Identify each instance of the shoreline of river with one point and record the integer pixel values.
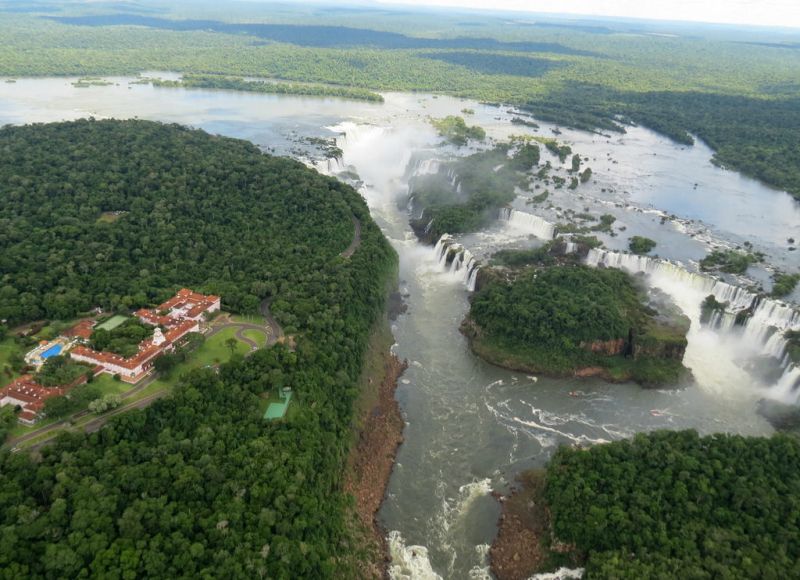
(379, 434)
(510, 362)
(520, 548)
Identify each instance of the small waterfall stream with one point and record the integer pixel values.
(529, 223)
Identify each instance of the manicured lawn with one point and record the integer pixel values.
(257, 336)
(215, 351)
(109, 386)
(212, 352)
(112, 322)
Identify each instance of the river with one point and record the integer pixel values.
(472, 427)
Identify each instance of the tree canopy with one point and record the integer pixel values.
(674, 504)
(198, 484)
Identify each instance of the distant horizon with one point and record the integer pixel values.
(752, 13)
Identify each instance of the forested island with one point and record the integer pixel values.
(466, 194)
(195, 81)
(561, 318)
(661, 505)
(197, 484)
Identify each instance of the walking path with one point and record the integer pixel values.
(351, 249)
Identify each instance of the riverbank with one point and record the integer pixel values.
(377, 432)
(648, 373)
(521, 548)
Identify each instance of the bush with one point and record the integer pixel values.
(641, 245)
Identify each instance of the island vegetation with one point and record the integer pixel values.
(565, 319)
(784, 284)
(641, 245)
(198, 483)
(483, 183)
(195, 81)
(728, 261)
(456, 131)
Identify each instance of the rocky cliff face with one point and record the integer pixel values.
(605, 347)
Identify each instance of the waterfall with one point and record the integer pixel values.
(764, 326)
(426, 167)
(335, 165)
(528, 223)
(737, 298)
(462, 266)
(570, 247)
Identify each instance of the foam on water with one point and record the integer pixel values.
(560, 574)
(528, 223)
(409, 562)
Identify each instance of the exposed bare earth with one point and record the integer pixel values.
(372, 459)
(524, 545)
(517, 553)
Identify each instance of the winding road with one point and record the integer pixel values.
(351, 249)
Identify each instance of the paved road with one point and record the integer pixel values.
(100, 421)
(275, 332)
(65, 422)
(351, 249)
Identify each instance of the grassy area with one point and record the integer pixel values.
(257, 336)
(109, 386)
(112, 322)
(212, 352)
(109, 217)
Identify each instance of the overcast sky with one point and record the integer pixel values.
(758, 12)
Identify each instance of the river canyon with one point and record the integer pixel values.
(471, 427)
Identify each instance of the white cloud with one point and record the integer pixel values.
(755, 12)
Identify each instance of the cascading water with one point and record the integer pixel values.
(335, 165)
(528, 223)
(469, 421)
(457, 261)
(762, 330)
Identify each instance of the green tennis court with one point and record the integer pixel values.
(112, 322)
(278, 410)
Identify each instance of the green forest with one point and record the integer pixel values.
(735, 90)
(198, 484)
(677, 505)
(191, 81)
(562, 318)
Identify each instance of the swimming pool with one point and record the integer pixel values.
(54, 350)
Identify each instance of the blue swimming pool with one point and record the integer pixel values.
(54, 350)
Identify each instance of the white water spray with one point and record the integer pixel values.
(716, 351)
(528, 223)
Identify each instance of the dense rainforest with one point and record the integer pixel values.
(560, 319)
(736, 90)
(677, 505)
(198, 484)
